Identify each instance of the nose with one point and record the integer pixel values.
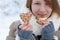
(42, 9)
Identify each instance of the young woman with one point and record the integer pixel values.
(39, 27)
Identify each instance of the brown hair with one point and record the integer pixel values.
(52, 3)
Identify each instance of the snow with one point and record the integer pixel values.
(9, 12)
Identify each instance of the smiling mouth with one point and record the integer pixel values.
(42, 15)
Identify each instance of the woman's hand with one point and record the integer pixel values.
(26, 17)
(26, 26)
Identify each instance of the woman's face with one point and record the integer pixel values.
(40, 9)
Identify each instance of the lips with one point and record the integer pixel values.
(42, 15)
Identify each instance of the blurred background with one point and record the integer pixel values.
(9, 12)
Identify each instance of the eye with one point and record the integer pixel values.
(37, 3)
(49, 5)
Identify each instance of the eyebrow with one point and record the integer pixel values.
(37, 1)
(48, 0)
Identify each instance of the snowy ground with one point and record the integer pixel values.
(9, 12)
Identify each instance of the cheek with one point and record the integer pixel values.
(34, 8)
(49, 10)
